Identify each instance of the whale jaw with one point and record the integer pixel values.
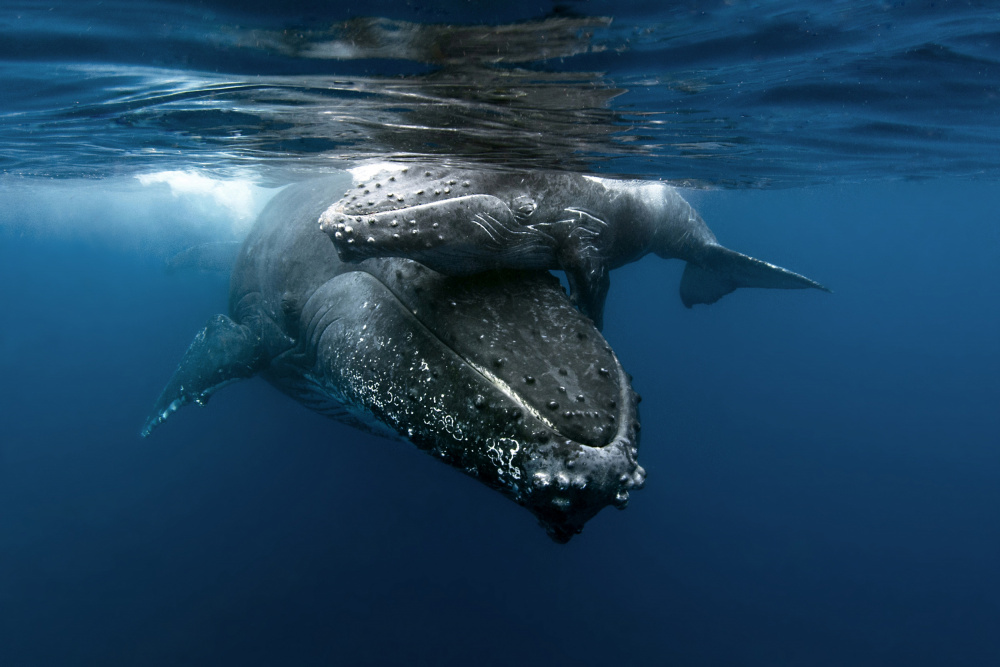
(496, 375)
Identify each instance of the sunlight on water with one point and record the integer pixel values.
(160, 212)
(240, 198)
(761, 95)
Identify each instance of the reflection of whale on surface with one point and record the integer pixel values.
(460, 222)
(497, 375)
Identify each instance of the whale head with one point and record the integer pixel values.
(497, 375)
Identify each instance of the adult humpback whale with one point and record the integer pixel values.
(460, 222)
(497, 374)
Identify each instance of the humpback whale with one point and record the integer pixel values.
(496, 374)
(460, 221)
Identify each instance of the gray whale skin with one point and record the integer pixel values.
(461, 221)
(497, 374)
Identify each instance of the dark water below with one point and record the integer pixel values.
(824, 470)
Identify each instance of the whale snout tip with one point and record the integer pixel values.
(347, 234)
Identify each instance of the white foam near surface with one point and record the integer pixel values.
(239, 197)
(154, 211)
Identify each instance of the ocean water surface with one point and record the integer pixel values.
(823, 470)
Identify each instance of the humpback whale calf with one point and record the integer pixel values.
(496, 374)
(460, 222)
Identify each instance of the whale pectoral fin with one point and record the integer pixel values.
(718, 271)
(588, 289)
(222, 352)
(588, 278)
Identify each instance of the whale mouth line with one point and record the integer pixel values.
(498, 383)
(491, 378)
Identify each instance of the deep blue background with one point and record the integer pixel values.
(823, 472)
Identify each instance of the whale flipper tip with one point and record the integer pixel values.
(222, 352)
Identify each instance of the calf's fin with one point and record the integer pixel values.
(718, 271)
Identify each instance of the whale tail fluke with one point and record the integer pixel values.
(222, 352)
(718, 271)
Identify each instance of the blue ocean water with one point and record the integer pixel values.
(823, 470)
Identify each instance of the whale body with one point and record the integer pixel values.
(497, 375)
(462, 221)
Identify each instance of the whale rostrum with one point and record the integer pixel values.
(497, 375)
(461, 221)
